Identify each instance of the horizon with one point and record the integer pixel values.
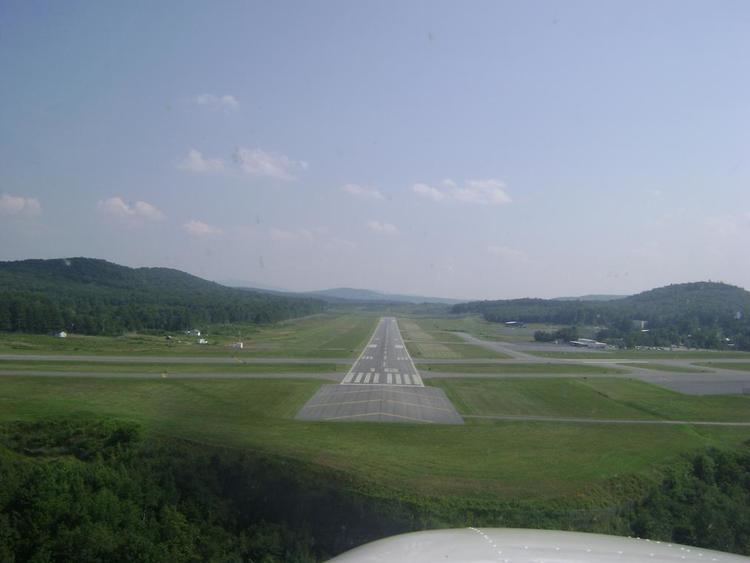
(494, 151)
(241, 284)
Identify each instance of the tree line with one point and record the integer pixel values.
(96, 297)
(700, 315)
(89, 489)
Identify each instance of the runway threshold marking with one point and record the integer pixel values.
(386, 414)
(387, 330)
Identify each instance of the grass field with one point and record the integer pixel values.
(480, 462)
(589, 398)
(665, 367)
(573, 369)
(163, 367)
(740, 366)
(477, 326)
(438, 344)
(319, 336)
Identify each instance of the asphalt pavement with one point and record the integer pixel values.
(382, 386)
(385, 360)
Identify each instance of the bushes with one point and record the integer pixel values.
(97, 490)
(128, 501)
(705, 503)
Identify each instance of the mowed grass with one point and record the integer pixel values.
(573, 369)
(478, 327)
(163, 367)
(589, 398)
(318, 336)
(480, 462)
(739, 366)
(437, 344)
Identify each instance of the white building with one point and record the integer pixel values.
(238, 345)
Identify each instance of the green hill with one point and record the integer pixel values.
(98, 297)
(699, 314)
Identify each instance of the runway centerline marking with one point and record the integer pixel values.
(378, 357)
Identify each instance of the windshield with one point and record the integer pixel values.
(278, 279)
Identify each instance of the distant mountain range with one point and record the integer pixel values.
(594, 297)
(348, 294)
(696, 298)
(351, 294)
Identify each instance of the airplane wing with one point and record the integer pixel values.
(506, 545)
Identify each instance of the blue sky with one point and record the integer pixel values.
(459, 149)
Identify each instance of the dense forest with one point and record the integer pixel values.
(90, 296)
(700, 315)
(86, 489)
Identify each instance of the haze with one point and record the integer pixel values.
(467, 150)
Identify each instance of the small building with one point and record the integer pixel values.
(639, 325)
(515, 324)
(238, 345)
(60, 334)
(193, 332)
(202, 341)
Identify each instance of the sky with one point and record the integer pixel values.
(474, 150)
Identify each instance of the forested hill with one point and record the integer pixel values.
(702, 314)
(98, 297)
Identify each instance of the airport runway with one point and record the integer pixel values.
(380, 403)
(385, 360)
(382, 386)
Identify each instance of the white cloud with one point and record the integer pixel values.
(212, 101)
(482, 192)
(201, 229)
(362, 192)
(382, 228)
(428, 191)
(336, 244)
(144, 209)
(257, 162)
(478, 192)
(506, 253)
(18, 205)
(285, 235)
(117, 207)
(196, 162)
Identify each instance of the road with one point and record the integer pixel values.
(564, 419)
(234, 359)
(709, 381)
(385, 360)
(151, 375)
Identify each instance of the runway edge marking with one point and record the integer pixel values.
(365, 347)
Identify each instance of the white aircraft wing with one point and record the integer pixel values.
(501, 545)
